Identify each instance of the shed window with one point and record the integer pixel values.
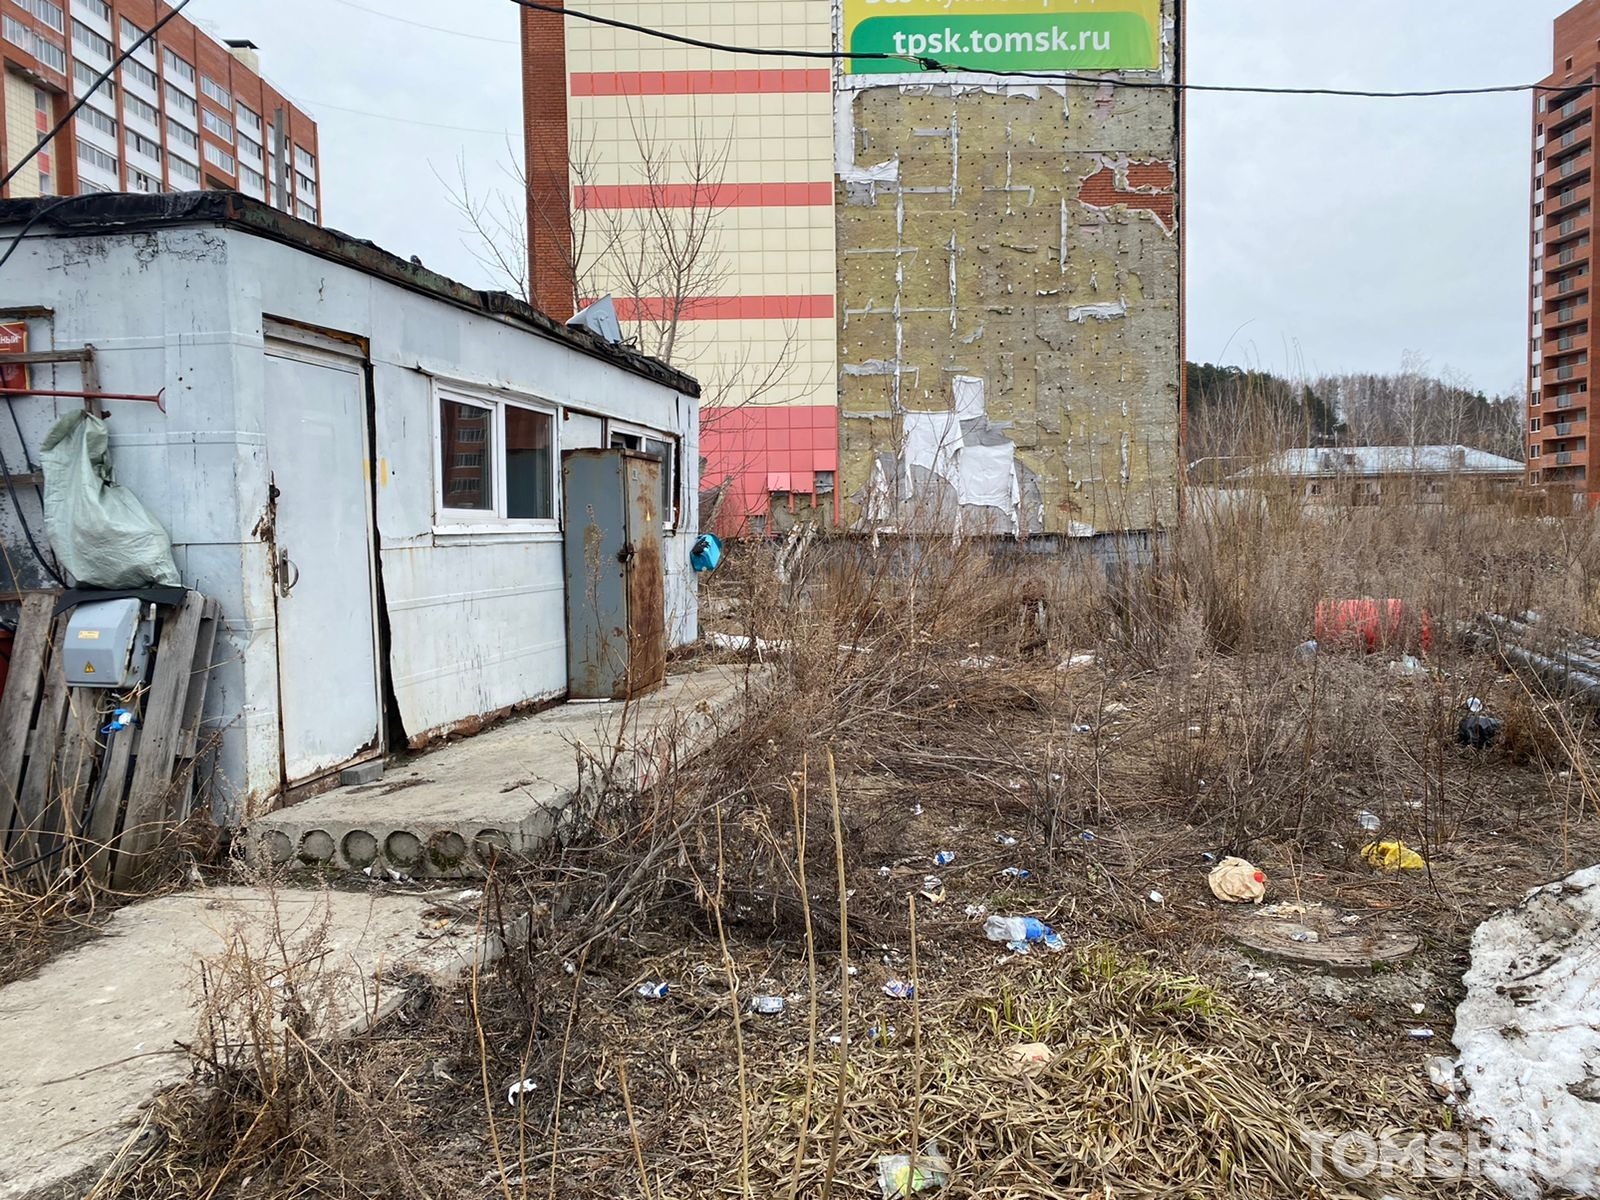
(664, 448)
(496, 460)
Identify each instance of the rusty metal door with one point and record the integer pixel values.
(616, 615)
(320, 542)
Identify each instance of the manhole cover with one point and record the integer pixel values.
(1328, 939)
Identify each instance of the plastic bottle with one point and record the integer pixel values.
(1015, 929)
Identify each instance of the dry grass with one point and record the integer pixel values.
(929, 677)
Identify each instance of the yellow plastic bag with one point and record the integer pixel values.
(1392, 856)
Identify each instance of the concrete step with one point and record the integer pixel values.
(446, 813)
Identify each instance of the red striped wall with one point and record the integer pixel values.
(700, 83)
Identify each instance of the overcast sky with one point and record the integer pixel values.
(1324, 234)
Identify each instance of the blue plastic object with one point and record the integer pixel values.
(707, 552)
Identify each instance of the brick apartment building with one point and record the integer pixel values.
(1562, 339)
(942, 294)
(184, 113)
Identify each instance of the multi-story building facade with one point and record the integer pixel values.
(937, 293)
(185, 112)
(1562, 337)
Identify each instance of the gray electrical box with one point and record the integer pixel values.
(108, 644)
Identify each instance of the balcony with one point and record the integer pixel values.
(1568, 198)
(1564, 458)
(1566, 314)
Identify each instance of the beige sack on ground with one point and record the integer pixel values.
(1237, 882)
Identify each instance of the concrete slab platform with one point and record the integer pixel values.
(91, 1037)
(445, 813)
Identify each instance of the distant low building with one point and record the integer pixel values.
(1361, 475)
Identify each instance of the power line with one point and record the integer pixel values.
(361, 112)
(934, 66)
(89, 91)
(460, 33)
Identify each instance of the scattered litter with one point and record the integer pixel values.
(897, 1176)
(884, 872)
(1479, 731)
(853, 972)
(1284, 908)
(1442, 1074)
(1368, 821)
(944, 858)
(1086, 836)
(1077, 662)
(1016, 873)
(881, 1035)
(1417, 1008)
(654, 991)
(1030, 1058)
(1157, 898)
(933, 888)
(1420, 1035)
(977, 911)
(767, 1006)
(1237, 882)
(518, 1089)
(1115, 709)
(1305, 935)
(1392, 856)
(1407, 665)
(1351, 919)
(1474, 705)
(469, 896)
(1017, 932)
(898, 989)
(916, 810)
(1306, 651)
(1083, 729)
(570, 967)
(727, 641)
(1004, 839)
(987, 662)
(1207, 856)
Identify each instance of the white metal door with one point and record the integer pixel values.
(315, 427)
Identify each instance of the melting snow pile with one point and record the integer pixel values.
(1528, 1033)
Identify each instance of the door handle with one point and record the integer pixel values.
(284, 567)
(625, 555)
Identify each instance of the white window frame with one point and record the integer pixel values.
(669, 519)
(468, 521)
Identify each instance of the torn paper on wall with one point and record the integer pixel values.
(969, 396)
(989, 478)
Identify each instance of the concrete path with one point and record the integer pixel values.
(91, 1037)
(445, 813)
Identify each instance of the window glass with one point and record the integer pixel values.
(530, 465)
(465, 445)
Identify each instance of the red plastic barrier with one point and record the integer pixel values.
(1369, 624)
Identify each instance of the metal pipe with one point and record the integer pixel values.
(159, 399)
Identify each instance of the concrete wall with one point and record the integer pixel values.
(477, 620)
(1009, 309)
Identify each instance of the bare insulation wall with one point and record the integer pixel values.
(1009, 310)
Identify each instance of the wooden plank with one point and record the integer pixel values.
(194, 706)
(21, 697)
(104, 817)
(37, 795)
(87, 710)
(143, 826)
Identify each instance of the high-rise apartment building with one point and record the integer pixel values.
(1562, 339)
(925, 258)
(185, 112)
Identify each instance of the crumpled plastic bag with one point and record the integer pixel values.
(103, 535)
(1392, 856)
(897, 1179)
(1237, 882)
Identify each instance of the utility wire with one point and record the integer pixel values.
(361, 112)
(89, 91)
(460, 33)
(934, 65)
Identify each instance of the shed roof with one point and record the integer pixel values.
(107, 213)
(1311, 462)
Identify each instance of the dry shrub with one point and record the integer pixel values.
(289, 1097)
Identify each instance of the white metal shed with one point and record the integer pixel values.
(359, 458)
